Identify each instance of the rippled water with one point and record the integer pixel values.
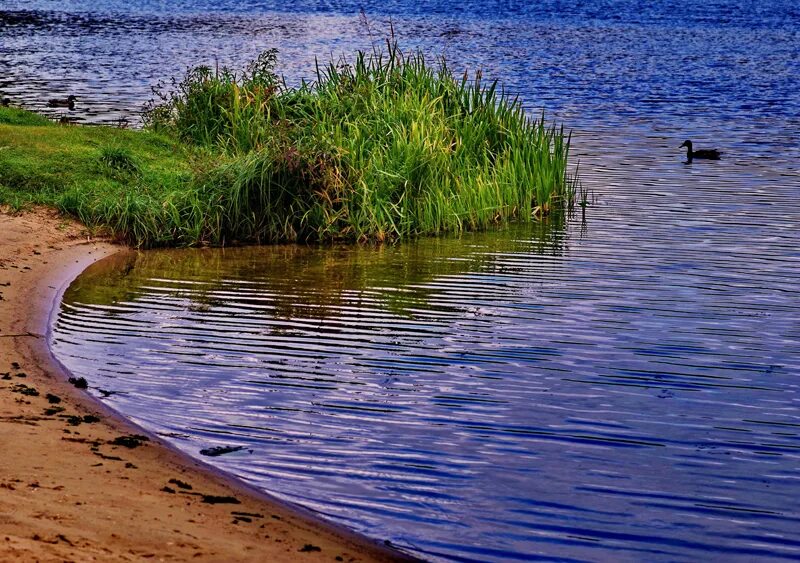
(609, 62)
(623, 387)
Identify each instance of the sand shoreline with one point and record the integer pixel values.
(68, 493)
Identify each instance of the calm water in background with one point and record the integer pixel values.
(624, 387)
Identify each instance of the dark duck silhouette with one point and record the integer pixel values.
(68, 102)
(708, 154)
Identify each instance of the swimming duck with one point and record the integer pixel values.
(709, 154)
(68, 102)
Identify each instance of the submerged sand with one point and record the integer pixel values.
(69, 493)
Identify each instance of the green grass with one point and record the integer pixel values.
(15, 116)
(119, 179)
(386, 148)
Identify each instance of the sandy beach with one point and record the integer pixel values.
(79, 483)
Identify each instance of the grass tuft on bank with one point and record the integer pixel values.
(135, 183)
(386, 147)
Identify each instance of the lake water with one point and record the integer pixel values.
(622, 386)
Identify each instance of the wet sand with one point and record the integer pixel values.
(79, 483)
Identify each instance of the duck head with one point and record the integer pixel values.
(71, 99)
(686, 143)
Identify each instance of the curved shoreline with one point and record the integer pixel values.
(68, 493)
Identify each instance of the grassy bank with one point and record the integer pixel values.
(387, 147)
(136, 183)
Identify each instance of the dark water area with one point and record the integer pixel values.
(622, 386)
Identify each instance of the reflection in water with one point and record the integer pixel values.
(323, 278)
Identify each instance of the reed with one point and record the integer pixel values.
(219, 108)
(386, 147)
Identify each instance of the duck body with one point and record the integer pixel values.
(68, 102)
(708, 154)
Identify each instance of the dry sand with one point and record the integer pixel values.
(67, 493)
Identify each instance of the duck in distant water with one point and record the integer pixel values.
(68, 102)
(708, 154)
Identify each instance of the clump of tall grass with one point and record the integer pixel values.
(119, 159)
(219, 107)
(385, 147)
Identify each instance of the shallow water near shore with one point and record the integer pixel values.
(620, 386)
